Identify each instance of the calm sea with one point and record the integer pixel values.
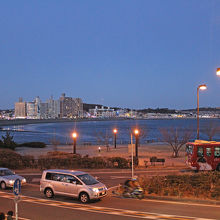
(91, 131)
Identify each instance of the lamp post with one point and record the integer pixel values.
(218, 72)
(136, 134)
(74, 142)
(132, 158)
(200, 87)
(115, 131)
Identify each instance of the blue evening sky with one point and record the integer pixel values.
(125, 53)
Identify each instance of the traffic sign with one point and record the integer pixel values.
(17, 187)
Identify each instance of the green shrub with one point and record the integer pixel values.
(118, 162)
(202, 185)
(10, 159)
(33, 144)
(29, 161)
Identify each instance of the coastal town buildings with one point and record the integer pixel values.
(65, 107)
(37, 107)
(31, 110)
(20, 109)
(7, 114)
(70, 107)
(53, 108)
(43, 110)
(102, 112)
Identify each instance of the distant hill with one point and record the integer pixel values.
(157, 110)
(86, 107)
(208, 109)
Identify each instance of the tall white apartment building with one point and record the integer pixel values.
(31, 114)
(37, 107)
(53, 108)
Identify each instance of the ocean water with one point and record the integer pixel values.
(91, 131)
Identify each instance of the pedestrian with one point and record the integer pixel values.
(2, 216)
(10, 215)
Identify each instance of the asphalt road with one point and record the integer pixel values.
(34, 205)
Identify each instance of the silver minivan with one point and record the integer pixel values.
(72, 183)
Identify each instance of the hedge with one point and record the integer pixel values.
(58, 160)
(203, 185)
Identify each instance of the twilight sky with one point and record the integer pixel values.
(125, 53)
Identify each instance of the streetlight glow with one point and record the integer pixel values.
(218, 72)
(136, 131)
(74, 134)
(115, 131)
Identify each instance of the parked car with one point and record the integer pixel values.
(8, 177)
(72, 183)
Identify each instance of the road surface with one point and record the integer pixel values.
(34, 205)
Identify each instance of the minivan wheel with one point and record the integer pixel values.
(84, 197)
(48, 193)
(3, 185)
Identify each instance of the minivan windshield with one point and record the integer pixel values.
(87, 179)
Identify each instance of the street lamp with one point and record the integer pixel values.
(74, 135)
(115, 131)
(218, 72)
(136, 134)
(200, 87)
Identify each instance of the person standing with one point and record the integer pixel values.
(2, 216)
(10, 215)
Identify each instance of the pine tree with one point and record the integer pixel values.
(8, 141)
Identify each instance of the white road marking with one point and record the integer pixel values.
(181, 203)
(35, 180)
(120, 177)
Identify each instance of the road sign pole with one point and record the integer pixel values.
(17, 191)
(16, 208)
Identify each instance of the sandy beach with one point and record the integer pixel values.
(160, 150)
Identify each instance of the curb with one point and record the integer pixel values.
(173, 199)
(176, 199)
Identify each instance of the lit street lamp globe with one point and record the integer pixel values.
(218, 72)
(136, 131)
(74, 135)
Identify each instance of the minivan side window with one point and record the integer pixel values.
(54, 176)
(72, 179)
(49, 176)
